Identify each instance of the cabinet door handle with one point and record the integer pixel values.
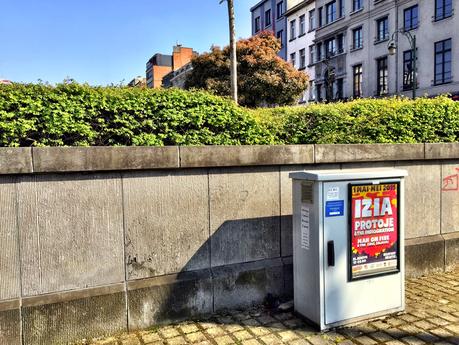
(331, 253)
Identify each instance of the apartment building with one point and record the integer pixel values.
(301, 25)
(160, 65)
(269, 15)
(351, 48)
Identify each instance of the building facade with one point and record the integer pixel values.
(269, 15)
(352, 55)
(160, 65)
(300, 17)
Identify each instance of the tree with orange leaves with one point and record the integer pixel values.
(264, 79)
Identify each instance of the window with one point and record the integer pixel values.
(357, 38)
(383, 72)
(340, 43)
(382, 29)
(319, 92)
(443, 62)
(311, 90)
(293, 29)
(280, 9)
(311, 54)
(341, 8)
(357, 5)
(312, 20)
(302, 58)
(357, 81)
(293, 59)
(257, 24)
(280, 37)
(411, 19)
(319, 51)
(268, 18)
(443, 9)
(302, 25)
(408, 73)
(319, 15)
(330, 12)
(330, 47)
(339, 88)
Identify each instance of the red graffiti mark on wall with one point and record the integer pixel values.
(451, 183)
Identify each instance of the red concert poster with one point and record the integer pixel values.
(374, 242)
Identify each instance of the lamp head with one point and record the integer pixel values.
(392, 47)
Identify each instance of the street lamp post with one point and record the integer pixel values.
(392, 47)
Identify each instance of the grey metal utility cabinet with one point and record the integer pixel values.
(348, 244)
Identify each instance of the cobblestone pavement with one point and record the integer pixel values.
(431, 317)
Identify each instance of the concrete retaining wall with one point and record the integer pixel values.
(100, 240)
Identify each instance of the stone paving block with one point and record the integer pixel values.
(364, 340)
(422, 196)
(225, 340)
(251, 342)
(413, 341)
(449, 197)
(10, 333)
(271, 339)
(151, 338)
(244, 214)
(216, 331)
(242, 335)
(9, 255)
(195, 337)
(169, 299)
(71, 232)
(70, 321)
(167, 222)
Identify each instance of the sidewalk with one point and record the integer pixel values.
(431, 317)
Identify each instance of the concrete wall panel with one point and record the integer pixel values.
(10, 333)
(422, 198)
(72, 321)
(71, 234)
(167, 222)
(169, 299)
(244, 214)
(242, 285)
(450, 197)
(9, 256)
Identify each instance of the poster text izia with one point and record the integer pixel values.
(374, 236)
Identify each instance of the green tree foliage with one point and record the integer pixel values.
(263, 77)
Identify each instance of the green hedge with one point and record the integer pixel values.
(391, 120)
(73, 114)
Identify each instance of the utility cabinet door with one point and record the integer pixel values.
(346, 299)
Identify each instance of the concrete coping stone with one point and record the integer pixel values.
(10, 305)
(223, 156)
(442, 151)
(86, 159)
(368, 153)
(15, 160)
(68, 159)
(66, 296)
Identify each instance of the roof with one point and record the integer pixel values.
(5, 82)
(298, 7)
(257, 5)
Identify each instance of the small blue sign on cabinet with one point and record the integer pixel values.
(334, 208)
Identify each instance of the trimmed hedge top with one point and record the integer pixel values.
(80, 115)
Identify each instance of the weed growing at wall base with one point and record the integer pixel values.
(80, 115)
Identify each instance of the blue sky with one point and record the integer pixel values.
(105, 41)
